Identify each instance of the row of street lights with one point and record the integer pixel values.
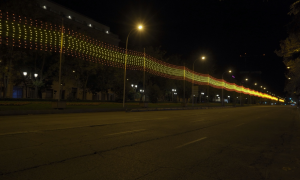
(140, 27)
(35, 76)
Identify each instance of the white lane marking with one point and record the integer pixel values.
(163, 118)
(198, 120)
(239, 124)
(126, 132)
(191, 142)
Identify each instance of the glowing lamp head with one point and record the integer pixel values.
(140, 27)
(289, 78)
(229, 71)
(255, 84)
(25, 73)
(288, 67)
(35, 75)
(246, 79)
(203, 57)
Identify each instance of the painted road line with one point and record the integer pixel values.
(239, 124)
(126, 132)
(190, 142)
(198, 120)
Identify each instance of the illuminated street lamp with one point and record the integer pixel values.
(140, 27)
(25, 75)
(173, 92)
(202, 93)
(288, 67)
(222, 99)
(203, 58)
(35, 90)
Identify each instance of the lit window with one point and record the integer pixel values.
(44, 7)
(107, 32)
(69, 17)
(90, 25)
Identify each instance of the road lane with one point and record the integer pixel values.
(235, 137)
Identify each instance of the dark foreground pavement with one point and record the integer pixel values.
(212, 144)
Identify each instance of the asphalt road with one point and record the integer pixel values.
(210, 144)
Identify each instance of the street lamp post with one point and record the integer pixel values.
(202, 93)
(139, 27)
(173, 92)
(35, 91)
(184, 85)
(25, 75)
(144, 78)
(194, 79)
(241, 91)
(60, 59)
(249, 94)
(222, 99)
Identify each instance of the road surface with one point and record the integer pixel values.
(243, 143)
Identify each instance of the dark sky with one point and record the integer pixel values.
(220, 30)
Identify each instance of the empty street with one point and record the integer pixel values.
(259, 142)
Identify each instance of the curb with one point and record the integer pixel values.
(69, 111)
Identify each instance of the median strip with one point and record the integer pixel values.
(190, 142)
(126, 132)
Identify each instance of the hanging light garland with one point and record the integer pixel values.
(37, 35)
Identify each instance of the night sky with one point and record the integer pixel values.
(220, 30)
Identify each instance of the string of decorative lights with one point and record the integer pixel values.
(37, 35)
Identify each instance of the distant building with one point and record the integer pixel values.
(81, 21)
(69, 90)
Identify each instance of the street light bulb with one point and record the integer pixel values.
(229, 71)
(203, 57)
(140, 27)
(35, 75)
(131, 85)
(246, 79)
(25, 73)
(73, 71)
(289, 78)
(288, 67)
(135, 86)
(255, 84)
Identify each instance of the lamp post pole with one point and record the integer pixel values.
(25, 74)
(203, 57)
(140, 27)
(60, 59)
(222, 99)
(184, 85)
(241, 94)
(35, 90)
(144, 78)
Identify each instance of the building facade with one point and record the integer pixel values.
(69, 90)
